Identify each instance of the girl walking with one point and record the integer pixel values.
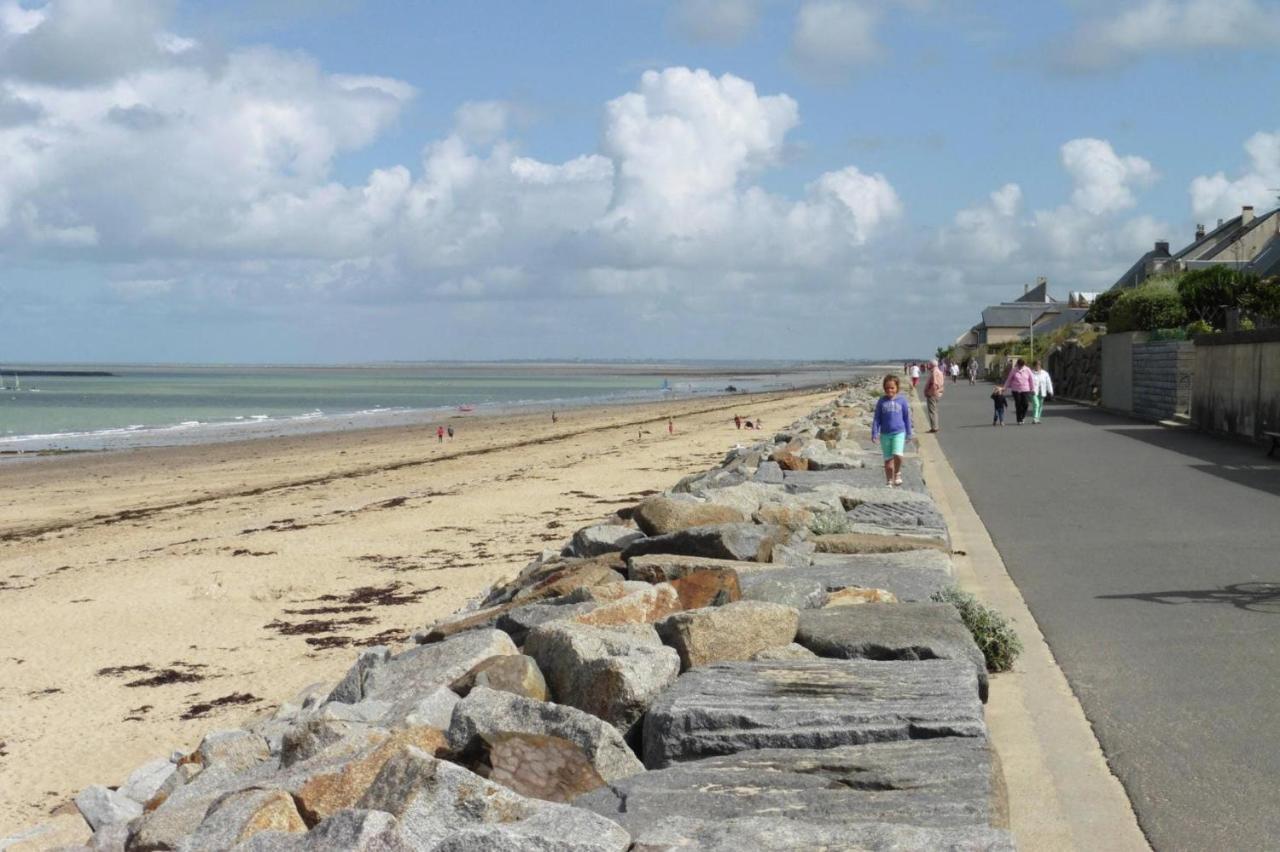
(891, 425)
(1042, 389)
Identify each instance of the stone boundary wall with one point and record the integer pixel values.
(1162, 378)
(760, 639)
(1076, 370)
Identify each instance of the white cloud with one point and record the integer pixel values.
(726, 21)
(1103, 180)
(1132, 30)
(833, 37)
(1217, 195)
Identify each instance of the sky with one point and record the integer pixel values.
(294, 181)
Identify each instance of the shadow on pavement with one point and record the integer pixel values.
(1237, 462)
(1254, 597)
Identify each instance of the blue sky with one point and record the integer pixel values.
(348, 181)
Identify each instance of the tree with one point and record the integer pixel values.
(1208, 293)
(1154, 305)
(1100, 310)
(1260, 298)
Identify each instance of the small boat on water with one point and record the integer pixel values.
(465, 409)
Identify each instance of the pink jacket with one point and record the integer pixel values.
(936, 383)
(1020, 379)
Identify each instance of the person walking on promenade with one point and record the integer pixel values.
(933, 388)
(972, 370)
(915, 374)
(891, 426)
(1041, 390)
(1001, 402)
(1020, 383)
(955, 372)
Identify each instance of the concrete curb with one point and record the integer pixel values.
(1062, 793)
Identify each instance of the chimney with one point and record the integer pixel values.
(1219, 223)
(1199, 232)
(1162, 248)
(1026, 288)
(1246, 215)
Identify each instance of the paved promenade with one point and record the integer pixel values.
(1151, 559)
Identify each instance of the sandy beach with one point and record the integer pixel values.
(147, 597)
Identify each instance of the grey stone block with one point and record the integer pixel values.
(730, 707)
(912, 575)
(782, 587)
(749, 542)
(901, 631)
(769, 472)
(770, 834)
(604, 538)
(101, 806)
(407, 678)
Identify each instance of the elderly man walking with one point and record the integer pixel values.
(933, 394)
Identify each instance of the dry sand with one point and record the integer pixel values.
(147, 597)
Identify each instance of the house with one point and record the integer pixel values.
(1248, 243)
(1034, 311)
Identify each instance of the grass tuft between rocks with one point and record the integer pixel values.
(829, 523)
(991, 631)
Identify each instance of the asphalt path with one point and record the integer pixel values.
(1150, 557)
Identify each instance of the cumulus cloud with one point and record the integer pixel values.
(832, 37)
(726, 21)
(1132, 30)
(1103, 181)
(1217, 195)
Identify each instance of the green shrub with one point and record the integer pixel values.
(1199, 327)
(1100, 310)
(1155, 304)
(829, 523)
(993, 634)
(1207, 293)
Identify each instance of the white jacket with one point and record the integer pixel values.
(1043, 383)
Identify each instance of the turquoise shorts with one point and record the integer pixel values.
(892, 443)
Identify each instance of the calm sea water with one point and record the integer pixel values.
(162, 405)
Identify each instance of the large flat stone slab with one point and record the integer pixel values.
(867, 477)
(912, 575)
(730, 707)
(770, 834)
(940, 782)
(888, 631)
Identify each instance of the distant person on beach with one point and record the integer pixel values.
(891, 426)
(671, 426)
(450, 431)
(440, 434)
(554, 419)
(737, 420)
(1001, 402)
(972, 370)
(1041, 390)
(914, 372)
(1020, 383)
(933, 389)
(955, 372)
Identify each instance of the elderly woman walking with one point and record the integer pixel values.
(1021, 383)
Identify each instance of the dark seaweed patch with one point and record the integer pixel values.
(195, 711)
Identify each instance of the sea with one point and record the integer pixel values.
(52, 408)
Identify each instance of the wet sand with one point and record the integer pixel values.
(149, 596)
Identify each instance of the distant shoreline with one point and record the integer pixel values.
(94, 374)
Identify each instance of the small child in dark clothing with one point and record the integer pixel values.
(1001, 402)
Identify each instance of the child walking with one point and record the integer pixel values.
(1001, 403)
(891, 425)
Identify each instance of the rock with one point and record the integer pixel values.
(781, 515)
(907, 517)
(770, 834)
(519, 621)
(781, 587)
(867, 477)
(409, 677)
(613, 673)
(830, 433)
(362, 712)
(486, 715)
(603, 538)
(820, 457)
(109, 838)
(101, 806)
(540, 766)
(749, 542)
(573, 575)
(791, 651)
(550, 569)
(64, 831)
(769, 472)
(908, 631)
(234, 750)
(644, 606)
(311, 736)
(874, 543)
(147, 780)
(854, 595)
(346, 831)
(735, 631)
(660, 515)
(236, 817)
(709, 587)
(746, 497)
(433, 710)
(729, 707)
(351, 688)
(789, 461)
(446, 808)
(911, 575)
(665, 567)
(944, 782)
(516, 674)
(326, 793)
(452, 625)
(169, 824)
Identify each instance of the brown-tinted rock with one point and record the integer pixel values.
(665, 567)
(514, 673)
(325, 794)
(238, 816)
(540, 766)
(659, 515)
(874, 543)
(787, 517)
(573, 575)
(640, 607)
(789, 461)
(854, 595)
(708, 587)
(455, 624)
(736, 631)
